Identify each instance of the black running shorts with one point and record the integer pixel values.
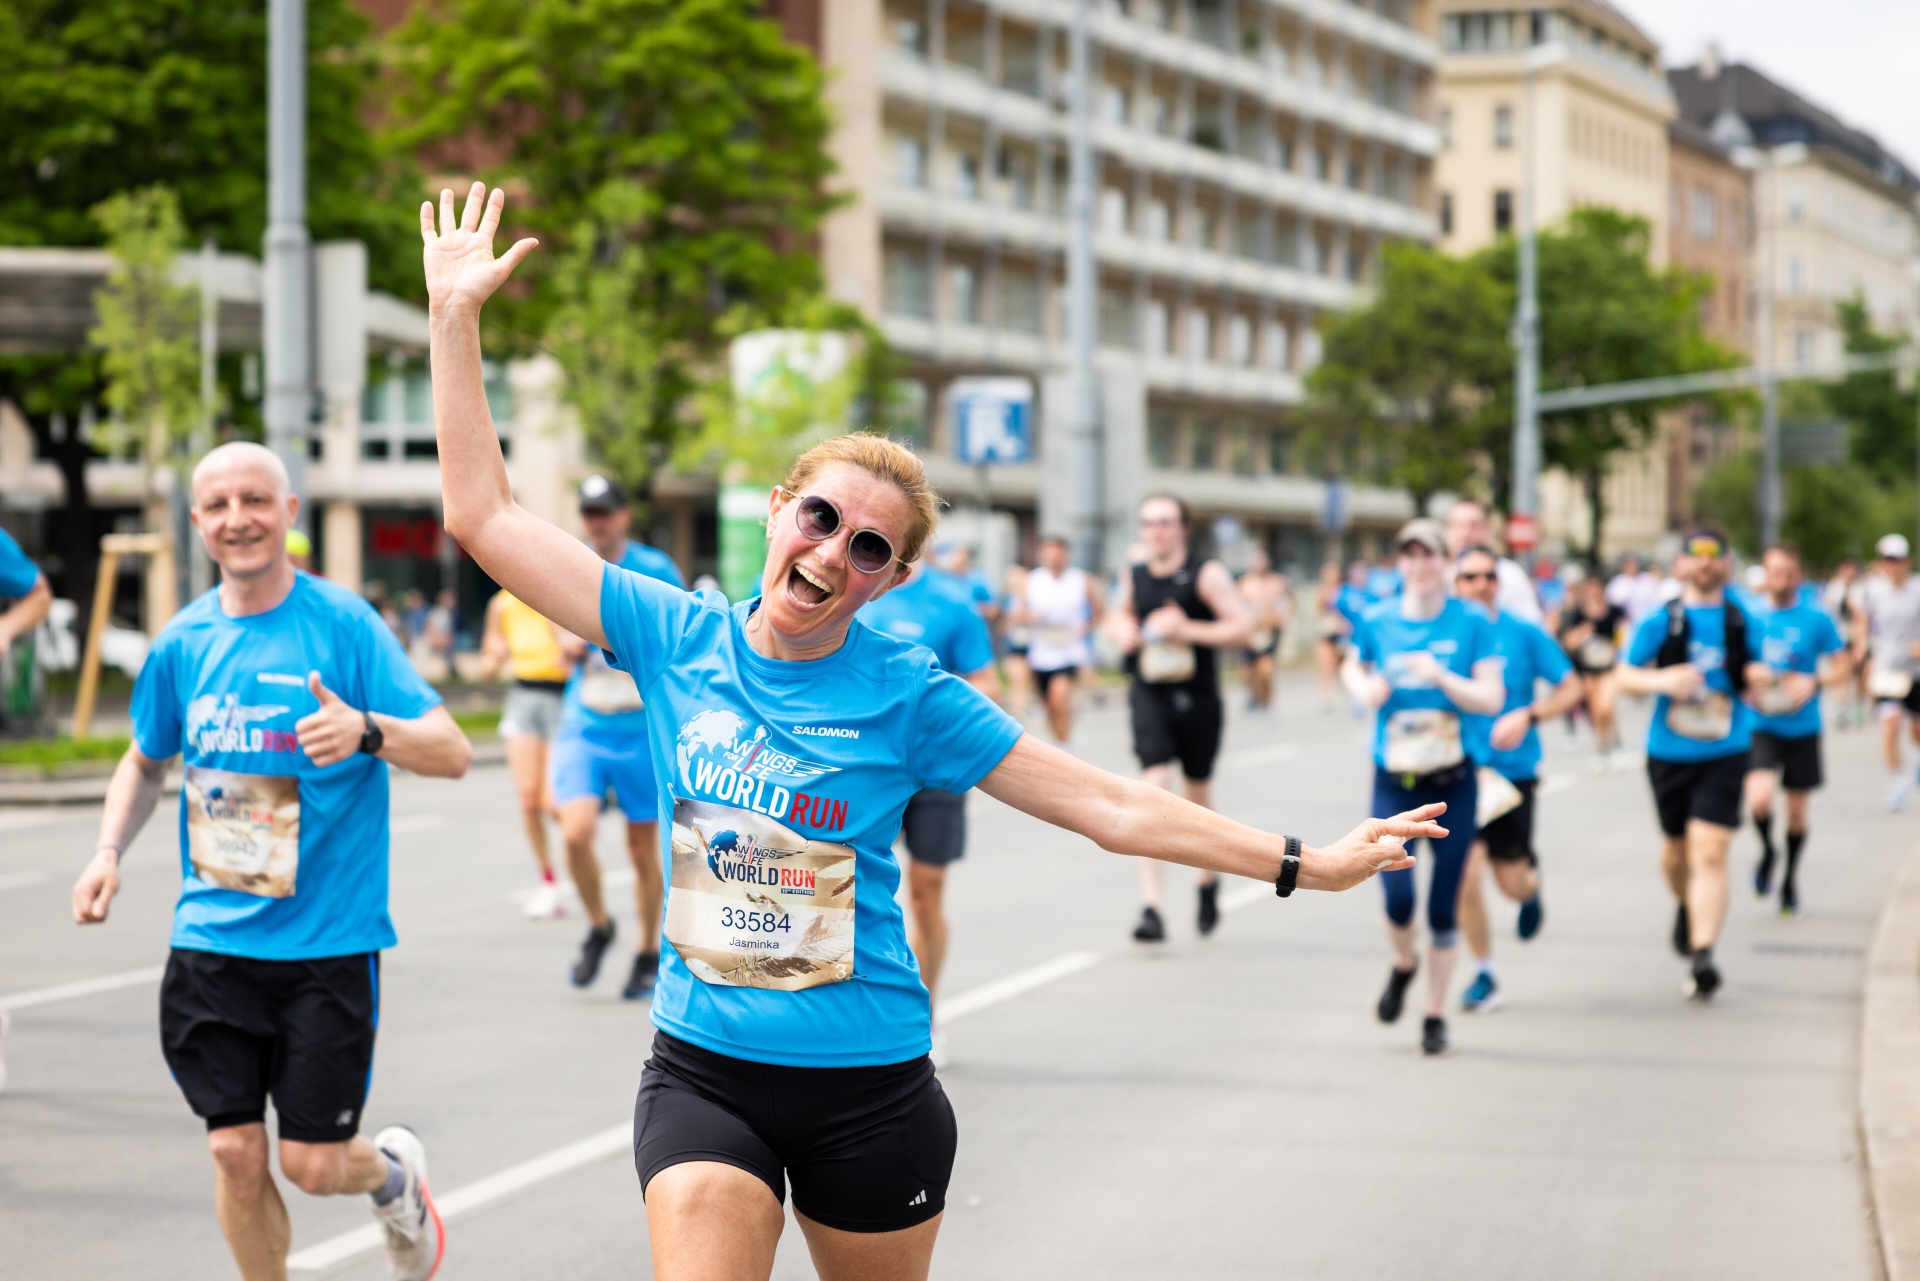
(1797, 759)
(1043, 678)
(1176, 722)
(1707, 790)
(1894, 706)
(237, 1031)
(868, 1149)
(934, 826)
(1510, 837)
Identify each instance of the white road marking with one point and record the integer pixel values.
(1245, 896)
(415, 823)
(21, 880)
(85, 987)
(12, 820)
(473, 1196)
(1060, 967)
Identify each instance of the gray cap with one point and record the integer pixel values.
(599, 494)
(1424, 531)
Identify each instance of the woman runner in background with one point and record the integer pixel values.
(1590, 630)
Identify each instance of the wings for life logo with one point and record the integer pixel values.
(222, 723)
(738, 856)
(718, 758)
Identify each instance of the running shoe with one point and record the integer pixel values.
(646, 970)
(592, 952)
(1532, 913)
(1395, 997)
(1150, 929)
(545, 903)
(1433, 1035)
(1482, 995)
(1789, 900)
(1896, 793)
(1706, 979)
(1682, 931)
(1209, 907)
(1763, 876)
(415, 1240)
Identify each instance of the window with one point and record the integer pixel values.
(1159, 329)
(1355, 262)
(1796, 202)
(1275, 355)
(1356, 173)
(1159, 220)
(1199, 334)
(1206, 228)
(1239, 341)
(1446, 213)
(1238, 444)
(1502, 212)
(1113, 210)
(1200, 434)
(1160, 115)
(1796, 276)
(1706, 214)
(1446, 128)
(1309, 349)
(1116, 319)
(910, 35)
(966, 176)
(1020, 301)
(1503, 126)
(1113, 104)
(1020, 60)
(963, 295)
(1802, 348)
(1015, 169)
(1280, 451)
(1163, 430)
(1249, 236)
(1317, 164)
(909, 284)
(910, 162)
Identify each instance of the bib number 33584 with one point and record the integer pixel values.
(755, 904)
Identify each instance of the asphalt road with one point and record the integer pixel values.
(1219, 1108)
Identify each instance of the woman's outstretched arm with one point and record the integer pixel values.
(556, 574)
(1125, 816)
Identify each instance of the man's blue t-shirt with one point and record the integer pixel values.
(785, 781)
(1352, 603)
(1707, 650)
(1529, 655)
(1459, 636)
(17, 573)
(1793, 640)
(1383, 583)
(936, 610)
(601, 705)
(281, 861)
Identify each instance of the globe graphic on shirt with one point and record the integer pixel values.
(715, 732)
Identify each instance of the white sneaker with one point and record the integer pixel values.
(415, 1240)
(545, 903)
(939, 1053)
(1896, 793)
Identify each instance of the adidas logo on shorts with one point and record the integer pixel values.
(921, 1199)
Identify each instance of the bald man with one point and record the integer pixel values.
(287, 697)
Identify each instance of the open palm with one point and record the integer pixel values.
(462, 272)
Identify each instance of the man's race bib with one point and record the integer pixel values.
(1053, 637)
(755, 904)
(1706, 719)
(1166, 662)
(1776, 700)
(1496, 796)
(1597, 653)
(1422, 740)
(607, 690)
(1888, 683)
(243, 830)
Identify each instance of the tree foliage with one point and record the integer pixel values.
(1880, 419)
(1832, 512)
(148, 329)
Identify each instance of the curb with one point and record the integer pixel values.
(1890, 1077)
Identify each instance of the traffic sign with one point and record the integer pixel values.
(992, 420)
(1523, 532)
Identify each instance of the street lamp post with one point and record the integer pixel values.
(1769, 386)
(1526, 373)
(287, 318)
(1088, 518)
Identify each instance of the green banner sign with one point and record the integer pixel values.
(743, 539)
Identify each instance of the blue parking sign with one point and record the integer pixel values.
(992, 420)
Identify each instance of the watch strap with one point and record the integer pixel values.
(1284, 883)
(373, 740)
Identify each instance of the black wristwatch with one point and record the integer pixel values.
(1289, 868)
(373, 740)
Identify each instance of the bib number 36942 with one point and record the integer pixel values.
(755, 904)
(243, 830)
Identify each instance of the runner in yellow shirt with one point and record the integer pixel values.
(517, 638)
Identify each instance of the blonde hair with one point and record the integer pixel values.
(885, 460)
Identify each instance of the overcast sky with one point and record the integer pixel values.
(1856, 58)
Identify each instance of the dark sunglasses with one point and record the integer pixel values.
(1474, 576)
(867, 550)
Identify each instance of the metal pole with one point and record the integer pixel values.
(199, 569)
(1769, 387)
(1082, 318)
(288, 319)
(1526, 374)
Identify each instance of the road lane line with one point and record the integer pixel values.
(415, 823)
(85, 987)
(12, 820)
(21, 880)
(1060, 967)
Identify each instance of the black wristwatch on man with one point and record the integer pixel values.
(1289, 868)
(373, 740)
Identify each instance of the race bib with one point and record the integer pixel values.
(1053, 637)
(1597, 652)
(1166, 662)
(1497, 796)
(1889, 683)
(1422, 740)
(1775, 700)
(1707, 719)
(1332, 626)
(755, 904)
(607, 690)
(1263, 639)
(243, 830)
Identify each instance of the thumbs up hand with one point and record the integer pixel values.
(331, 733)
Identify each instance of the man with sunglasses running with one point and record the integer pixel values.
(1169, 615)
(1697, 656)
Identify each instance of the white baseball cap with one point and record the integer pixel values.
(1892, 547)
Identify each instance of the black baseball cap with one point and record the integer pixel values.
(599, 494)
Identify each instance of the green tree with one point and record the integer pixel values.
(1832, 512)
(676, 147)
(1881, 420)
(1417, 371)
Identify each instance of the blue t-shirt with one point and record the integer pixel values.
(1352, 603)
(227, 692)
(779, 770)
(935, 610)
(1383, 583)
(1459, 636)
(1793, 640)
(17, 573)
(1707, 650)
(595, 691)
(1529, 655)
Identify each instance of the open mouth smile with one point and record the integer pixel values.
(806, 588)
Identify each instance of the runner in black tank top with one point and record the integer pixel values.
(1173, 612)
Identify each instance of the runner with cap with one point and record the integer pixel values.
(1269, 599)
(528, 646)
(1171, 613)
(1888, 635)
(287, 698)
(1507, 750)
(1697, 656)
(1058, 609)
(1801, 650)
(1425, 661)
(601, 750)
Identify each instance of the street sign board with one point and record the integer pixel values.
(1813, 444)
(992, 420)
(1523, 532)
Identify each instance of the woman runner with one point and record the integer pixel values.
(1590, 631)
(792, 1026)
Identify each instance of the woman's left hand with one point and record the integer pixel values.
(1377, 845)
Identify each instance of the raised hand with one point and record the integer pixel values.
(1377, 845)
(462, 272)
(333, 732)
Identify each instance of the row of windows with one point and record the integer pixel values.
(1601, 140)
(1504, 31)
(1706, 214)
(1501, 210)
(1197, 443)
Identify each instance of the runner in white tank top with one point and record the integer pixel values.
(1060, 609)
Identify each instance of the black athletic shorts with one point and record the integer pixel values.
(1797, 759)
(935, 826)
(1043, 679)
(1510, 837)
(1176, 722)
(1910, 704)
(237, 1031)
(868, 1149)
(1707, 790)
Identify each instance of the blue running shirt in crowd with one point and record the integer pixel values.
(1459, 636)
(1383, 583)
(17, 573)
(1707, 650)
(281, 861)
(784, 782)
(1352, 603)
(1793, 640)
(601, 705)
(935, 609)
(1530, 655)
